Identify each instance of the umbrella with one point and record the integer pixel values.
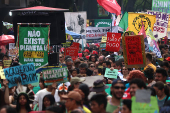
(111, 6)
(6, 39)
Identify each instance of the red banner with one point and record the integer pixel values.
(134, 50)
(113, 42)
(73, 50)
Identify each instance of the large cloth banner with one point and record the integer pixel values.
(58, 75)
(135, 21)
(24, 74)
(161, 24)
(134, 51)
(76, 22)
(153, 46)
(98, 32)
(161, 5)
(103, 22)
(33, 42)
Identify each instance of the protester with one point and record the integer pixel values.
(126, 106)
(162, 92)
(86, 52)
(48, 100)
(41, 84)
(85, 89)
(98, 103)
(40, 95)
(125, 72)
(93, 58)
(7, 109)
(69, 63)
(136, 74)
(83, 70)
(136, 84)
(73, 73)
(149, 62)
(99, 87)
(61, 59)
(73, 101)
(75, 82)
(55, 109)
(117, 91)
(4, 93)
(62, 90)
(149, 74)
(23, 103)
(161, 75)
(91, 66)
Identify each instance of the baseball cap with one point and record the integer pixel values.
(87, 57)
(117, 81)
(95, 52)
(73, 95)
(168, 59)
(126, 96)
(98, 86)
(86, 50)
(76, 80)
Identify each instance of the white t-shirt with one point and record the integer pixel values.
(39, 97)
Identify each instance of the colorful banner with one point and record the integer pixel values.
(12, 49)
(151, 107)
(98, 32)
(25, 74)
(134, 51)
(58, 75)
(69, 41)
(161, 5)
(113, 42)
(103, 22)
(76, 22)
(33, 42)
(73, 50)
(153, 46)
(135, 21)
(111, 73)
(161, 24)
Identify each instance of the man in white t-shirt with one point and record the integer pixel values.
(40, 94)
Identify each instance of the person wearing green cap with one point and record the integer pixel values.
(75, 82)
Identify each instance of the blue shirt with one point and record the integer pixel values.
(161, 102)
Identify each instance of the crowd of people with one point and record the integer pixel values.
(75, 96)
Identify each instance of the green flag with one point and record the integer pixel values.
(33, 42)
(124, 21)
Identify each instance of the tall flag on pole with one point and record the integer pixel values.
(124, 22)
(111, 6)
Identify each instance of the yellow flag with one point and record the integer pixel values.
(135, 21)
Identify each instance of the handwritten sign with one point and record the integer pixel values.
(25, 74)
(161, 24)
(113, 42)
(134, 51)
(111, 73)
(138, 107)
(89, 80)
(58, 75)
(2, 73)
(73, 50)
(13, 51)
(118, 57)
(7, 63)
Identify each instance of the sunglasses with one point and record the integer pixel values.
(61, 57)
(117, 87)
(92, 66)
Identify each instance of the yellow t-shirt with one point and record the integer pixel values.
(152, 66)
(86, 110)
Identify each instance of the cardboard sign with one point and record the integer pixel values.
(7, 63)
(134, 51)
(2, 73)
(104, 39)
(111, 73)
(113, 42)
(161, 5)
(69, 41)
(12, 49)
(161, 24)
(73, 50)
(89, 80)
(58, 75)
(151, 107)
(25, 74)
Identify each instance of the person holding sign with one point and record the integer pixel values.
(117, 90)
